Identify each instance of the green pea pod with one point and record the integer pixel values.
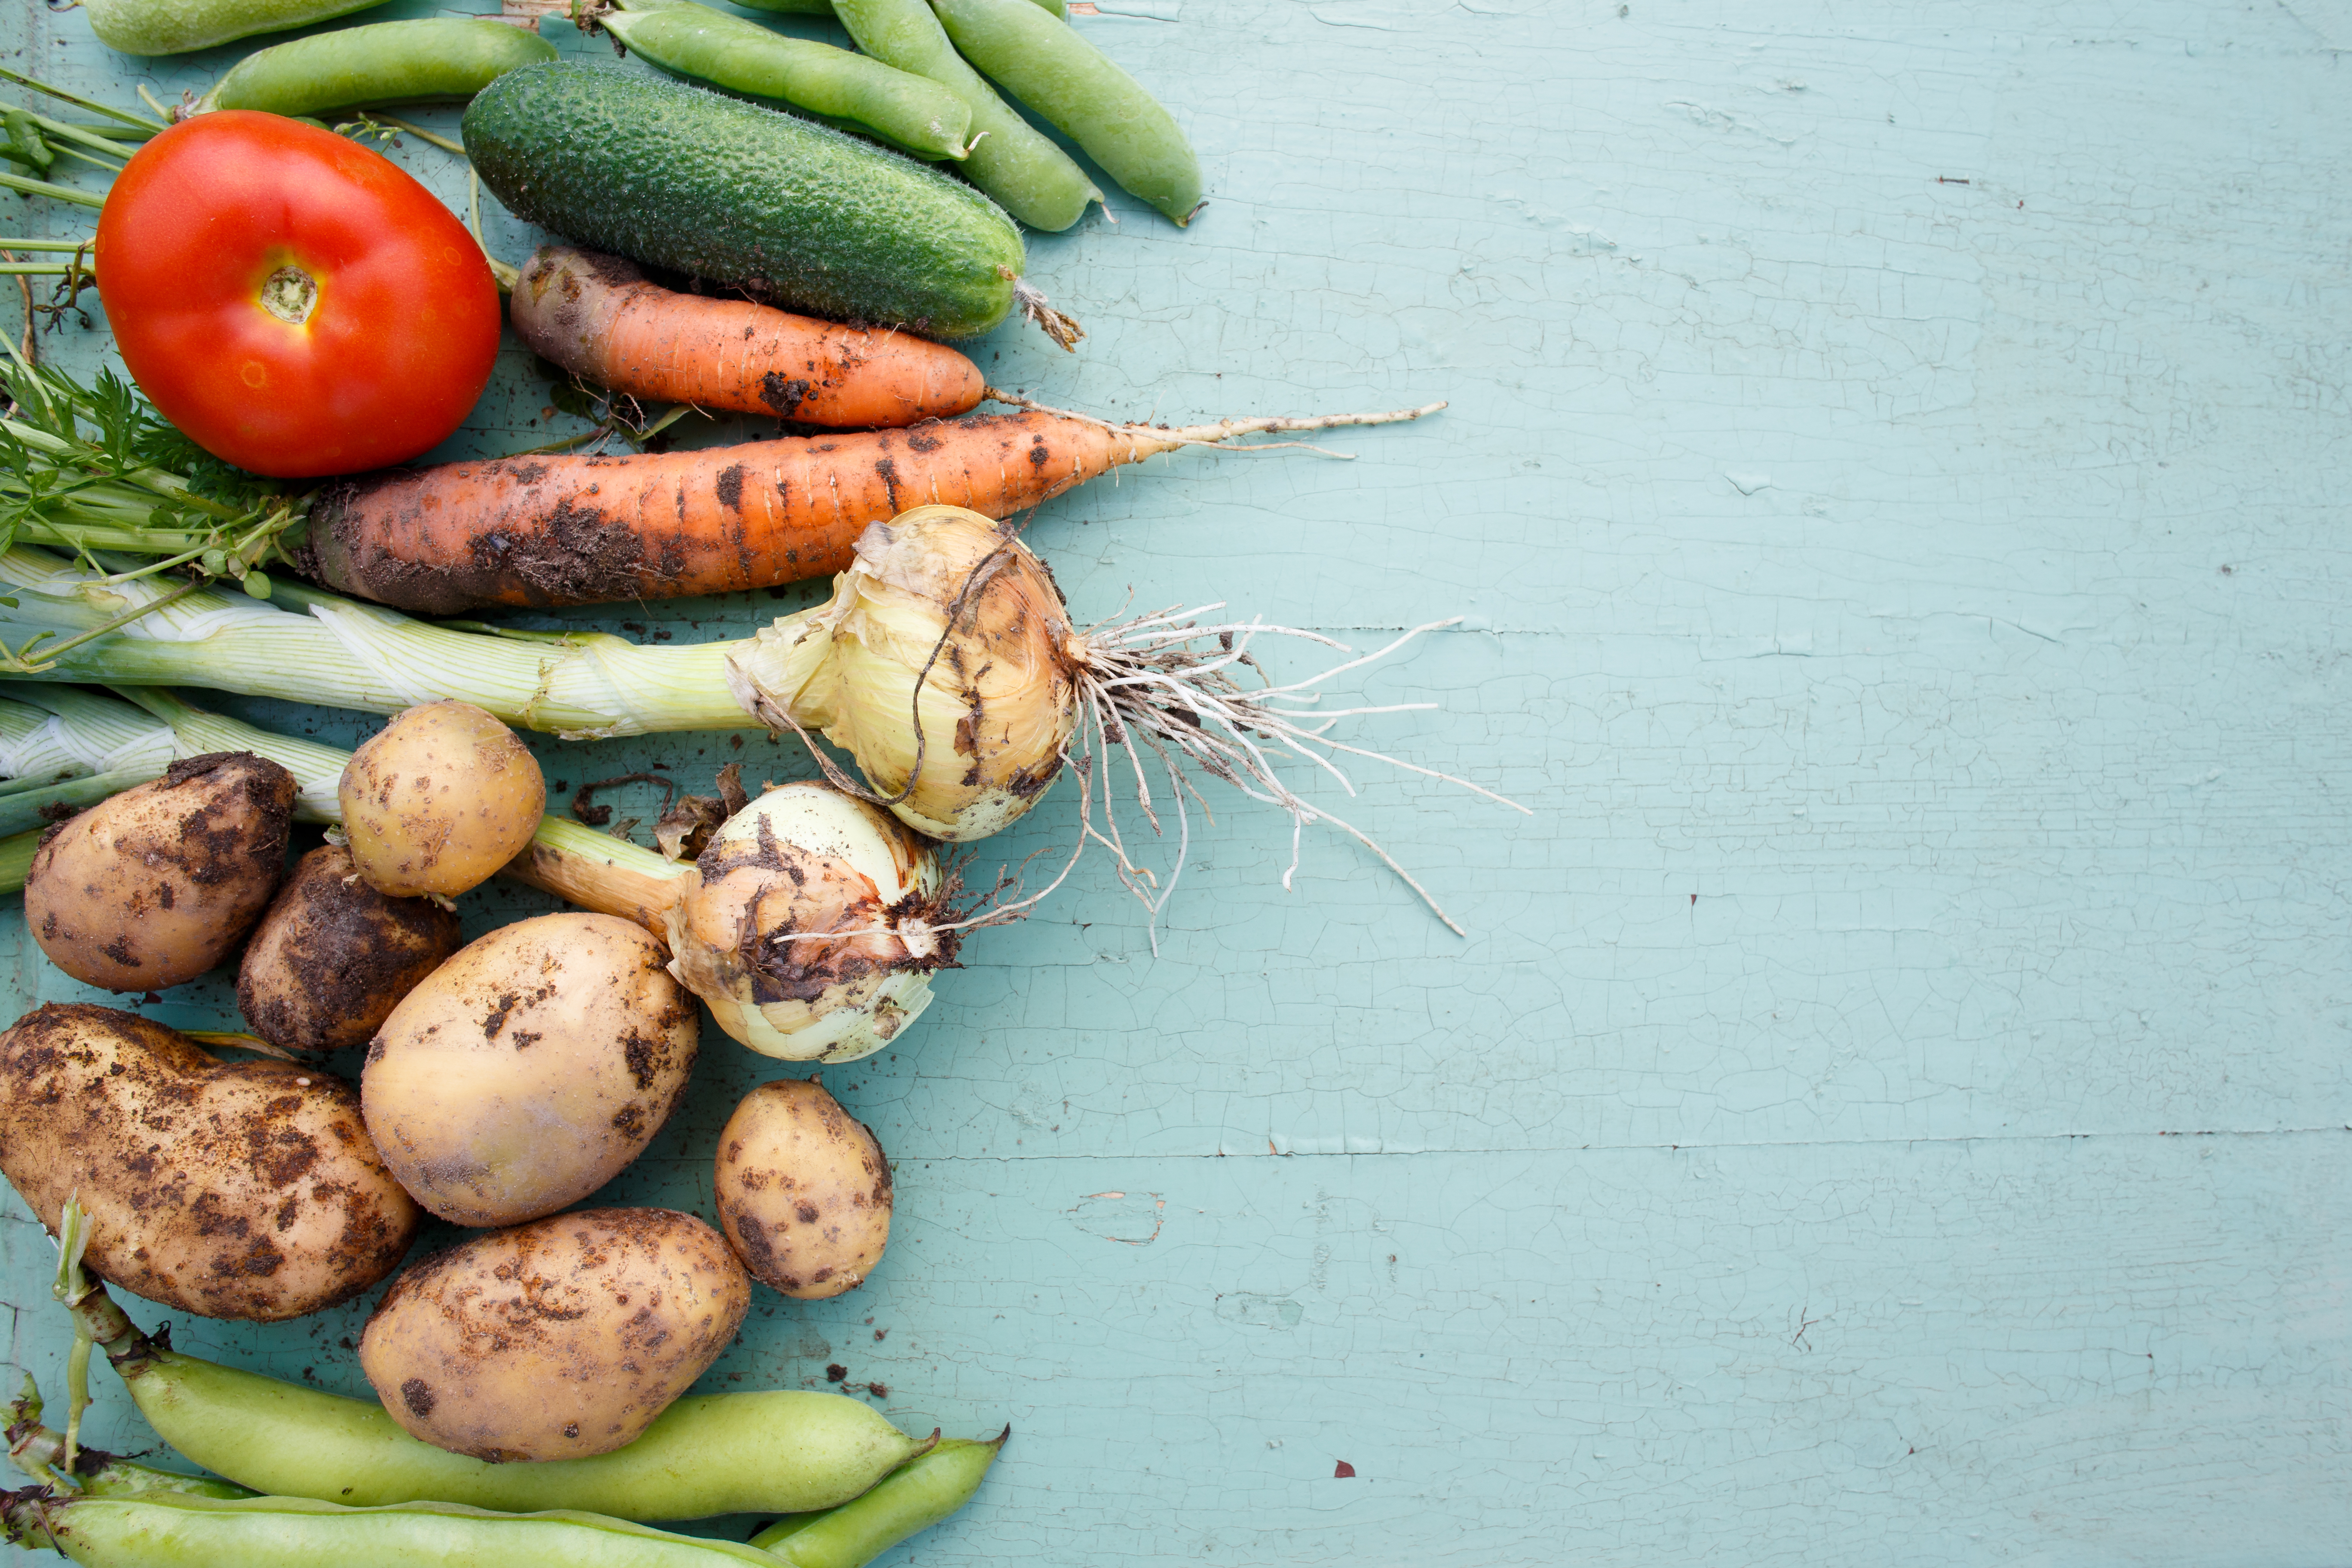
(774, 1452)
(910, 113)
(916, 1496)
(181, 1532)
(1045, 64)
(1011, 159)
(824, 8)
(176, 27)
(384, 62)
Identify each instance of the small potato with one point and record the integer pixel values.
(528, 1070)
(556, 1340)
(803, 1190)
(157, 885)
(239, 1189)
(438, 800)
(332, 957)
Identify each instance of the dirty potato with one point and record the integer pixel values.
(803, 1190)
(156, 885)
(227, 1189)
(333, 956)
(439, 799)
(555, 1340)
(528, 1070)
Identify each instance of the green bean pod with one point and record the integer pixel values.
(916, 1496)
(1047, 65)
(910, 113)
(183, 1532)
(176, 27)
(384, 62)
(1011, 159)
(782, 1451)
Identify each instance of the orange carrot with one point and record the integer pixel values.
(598, 317)
(550, 532)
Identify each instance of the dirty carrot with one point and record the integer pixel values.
(554, 530)
(599, 317)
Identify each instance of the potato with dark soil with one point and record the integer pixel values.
(243, 1189)
(333, 957)
(159, 884)
(803, 1190)
(530, 1069)
(556, 1340)
(439, 799)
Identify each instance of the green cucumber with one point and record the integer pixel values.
(786, 211)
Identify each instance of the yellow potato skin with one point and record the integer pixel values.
(555, 1340)
(530, 1069)
(156, 886)
(439, 799)
(803, 1190)
(239, 1189)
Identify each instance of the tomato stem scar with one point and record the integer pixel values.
(291, 295)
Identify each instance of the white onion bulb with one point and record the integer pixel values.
(808, 925)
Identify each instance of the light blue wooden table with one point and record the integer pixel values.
(1892, 1104)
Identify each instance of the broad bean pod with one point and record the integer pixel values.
(1012, 160)
(1047, 65)
(41, 1453)
(169, 1531)
(176, 27)
(911, 113)
(916, 1496)
(782, 1451)
(384, 62)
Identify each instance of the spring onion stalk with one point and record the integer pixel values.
(812, 924)
(945, 663)
(50, 733)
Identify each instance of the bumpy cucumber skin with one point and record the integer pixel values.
(788, 212)
(176, 27)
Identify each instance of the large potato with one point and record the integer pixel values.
(803, 1190)
(555, 1340)
(528, 1070)
(439, 799)
(227, 1189)
(333, 956)
(157, 885)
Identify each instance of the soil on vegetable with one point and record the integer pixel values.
(223, 1173)
(333, 956)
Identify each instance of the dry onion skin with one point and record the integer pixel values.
(333, 957)
(810, 925)
(439, 799)
(156, 886)
(530, 1069)
(803, 1190)
(556, 1340)
(230, 1189)
(942, 601)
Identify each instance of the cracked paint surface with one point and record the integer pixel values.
(1894, 1094)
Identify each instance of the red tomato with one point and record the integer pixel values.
(294, 302)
